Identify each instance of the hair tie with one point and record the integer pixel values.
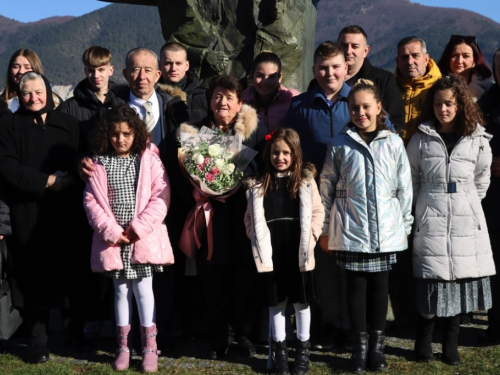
(269, 136)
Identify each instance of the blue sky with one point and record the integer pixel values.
(34, 10)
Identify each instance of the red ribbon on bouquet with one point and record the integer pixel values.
(199, 220)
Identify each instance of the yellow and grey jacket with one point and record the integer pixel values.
(414, 92)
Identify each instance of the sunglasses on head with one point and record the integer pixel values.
(466, 38)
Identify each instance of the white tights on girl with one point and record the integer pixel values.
(277, 320)
(142, 289)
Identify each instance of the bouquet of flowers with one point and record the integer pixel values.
(214, 163)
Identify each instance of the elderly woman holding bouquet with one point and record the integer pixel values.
(223, 256)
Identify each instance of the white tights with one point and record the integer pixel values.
(277, 321)
(142, 289)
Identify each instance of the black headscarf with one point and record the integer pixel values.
(49, 103)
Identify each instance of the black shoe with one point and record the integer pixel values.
(245, 346)
(489, 338)
(423, 341)
(280, 354)
(38, 354)
(326, 340)
(218, 349)
(301, 365)
(376, 358)
(360, 352)
(450, 341)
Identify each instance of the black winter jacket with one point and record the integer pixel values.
(87, 109)
(197, 97)
(490, 105)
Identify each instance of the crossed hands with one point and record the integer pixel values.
(128, 236)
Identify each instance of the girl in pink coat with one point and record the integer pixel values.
(126, 201)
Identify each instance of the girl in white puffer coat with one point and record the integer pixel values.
(366, 189)
(283, 220)
(450, 160)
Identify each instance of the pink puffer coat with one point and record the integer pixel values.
(152, 200)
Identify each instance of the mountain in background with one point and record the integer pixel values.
(388, 21)
(60, 41)
(60, 45)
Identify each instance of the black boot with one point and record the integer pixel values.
(246, 347)
(450, 340)
(423, 342)
(301, 365)
(360, 352)
(280, 358)
(376, 358)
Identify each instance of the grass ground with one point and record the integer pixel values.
(476, 360)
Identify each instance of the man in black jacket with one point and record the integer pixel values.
(174, 67)
(86, 290)
(354, 42)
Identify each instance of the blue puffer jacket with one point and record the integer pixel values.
(367, 193)
(317, 123)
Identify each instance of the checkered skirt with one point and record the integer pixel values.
(123, 173)
(363, 262)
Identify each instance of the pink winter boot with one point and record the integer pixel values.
(149, 352)
(122, 352)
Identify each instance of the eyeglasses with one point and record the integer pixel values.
(466, 38)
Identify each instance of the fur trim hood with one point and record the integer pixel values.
(123, 90)
(173, 91)
(245, 126)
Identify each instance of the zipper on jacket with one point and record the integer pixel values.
(377, 137)
(448, 172)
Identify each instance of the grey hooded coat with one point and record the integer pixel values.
(450, 235)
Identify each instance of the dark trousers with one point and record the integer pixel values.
(367, 291)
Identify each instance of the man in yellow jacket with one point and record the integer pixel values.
(416, 72)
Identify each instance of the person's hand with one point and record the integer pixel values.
(217, 60)
(495, 166)
(323, 244)
(1, 237)
(58, 181)
(131, 235)
(123, 239)
(85, 169)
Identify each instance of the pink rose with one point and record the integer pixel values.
(207, 160)
(215, 171)
(210, 177)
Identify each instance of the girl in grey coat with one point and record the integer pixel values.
(366, 189)
(450, 160)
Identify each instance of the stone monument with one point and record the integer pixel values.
(223, 36)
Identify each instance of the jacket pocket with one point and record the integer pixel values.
(155, 248)
(422, 220)
(475, 217)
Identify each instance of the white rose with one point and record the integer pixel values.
(198, 158)
(230, 168)
(215, 150)
(219, 163)
(229, 154)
